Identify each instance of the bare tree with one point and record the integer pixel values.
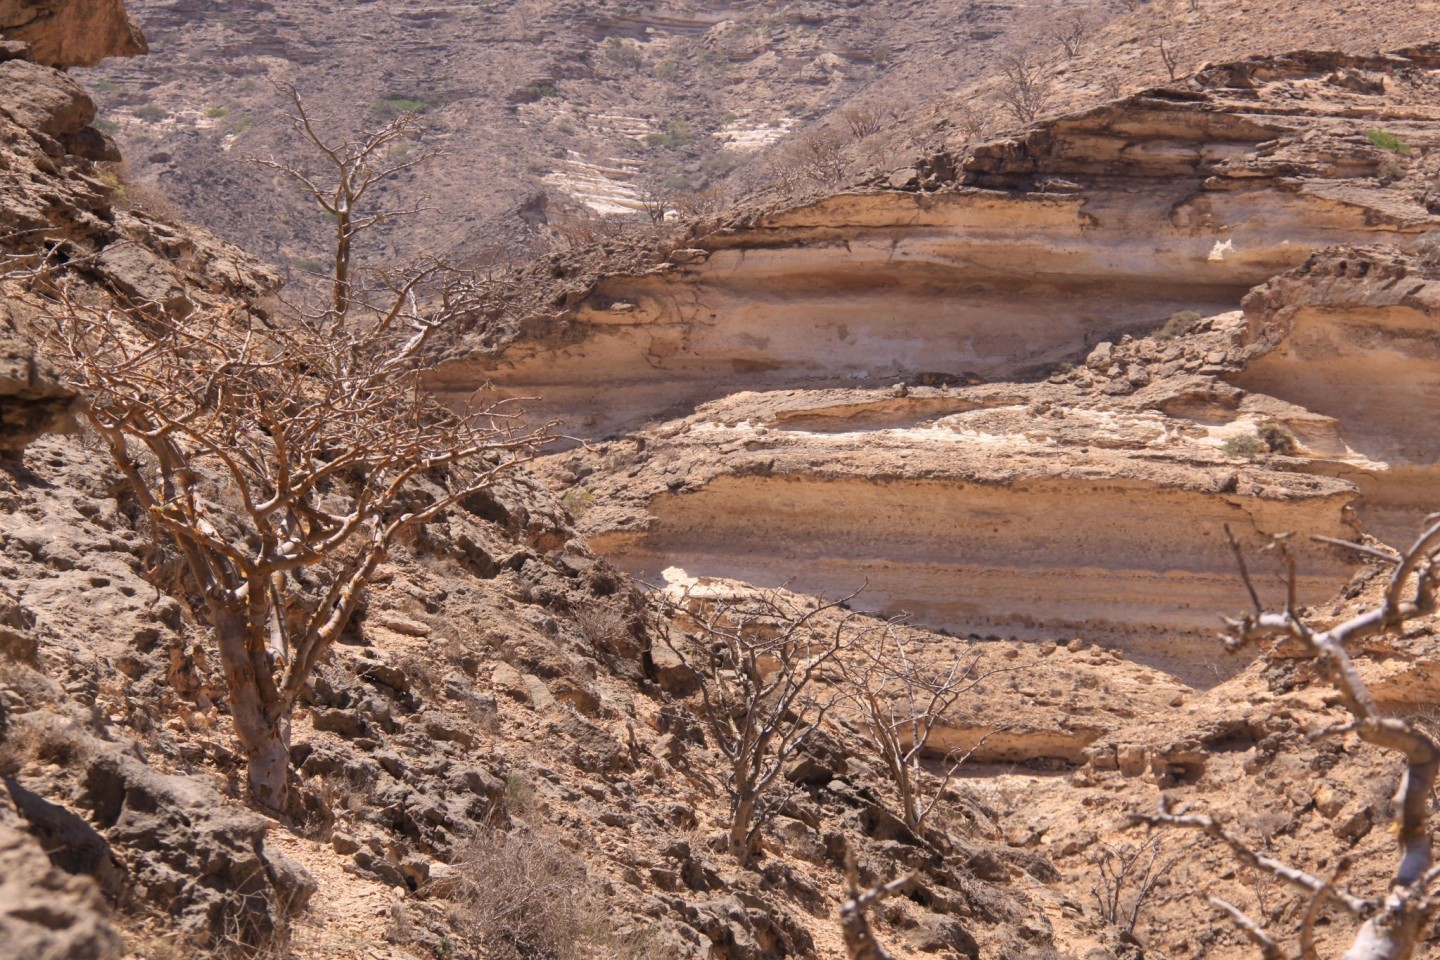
(284, 461)
(902, 703)
(347, 170)
(1127, 879)
(863, 119)
(759, 657)
(1070, 33)
(654, 202)
(1394, 923)
(814, 156)
(1170, 58)
(1026, 90)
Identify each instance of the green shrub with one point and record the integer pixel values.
(392, 107)
(310, 266)
(1180, 323)
(677, 133)
(151, 113)
(1270, 438)
(1385, 140)
(215, 113)
(242, 125)
(1247, 447)
(540, 91)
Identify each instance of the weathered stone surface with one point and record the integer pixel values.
(72, 33)
(46, 913)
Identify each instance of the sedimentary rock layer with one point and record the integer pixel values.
(1083, 229)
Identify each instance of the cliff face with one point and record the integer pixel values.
(1023, 254)
(985, 388)
(72, 33)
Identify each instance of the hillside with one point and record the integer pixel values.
(1019, 393)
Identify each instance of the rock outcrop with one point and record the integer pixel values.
(72, 33)
(1023, 254)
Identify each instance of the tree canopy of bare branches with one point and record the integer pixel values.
(285, 460)
(759, 657)
(1026, 88)
(1393, 925)
(901, 704)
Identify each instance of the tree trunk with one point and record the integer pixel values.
(269, 766)
(744, 815)
(263, 728)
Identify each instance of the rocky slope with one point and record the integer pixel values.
(972, 387)
(535, 106)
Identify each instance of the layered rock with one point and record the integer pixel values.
(1025, 253)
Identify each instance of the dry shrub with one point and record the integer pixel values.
(44, 737)
(528, 898)
(600, 624)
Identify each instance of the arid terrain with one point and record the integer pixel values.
(1015, 325)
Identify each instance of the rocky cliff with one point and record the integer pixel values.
(1013, 391)
(1017, 392)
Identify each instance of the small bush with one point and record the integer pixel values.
(151, 113)
(578, 501)
(1180, 323)
(1385, 140)
(1246, 447)
(392, 107)
(540, 91)
(1277, 439)
(1271, 438)
(215, 113)
(677, 134)
(526, 897)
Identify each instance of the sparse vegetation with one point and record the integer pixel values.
(677, 133)
(1385, 140)
(759, 658)
(1247, 447)
(215, 113)
(1180, 323)
(392, 107)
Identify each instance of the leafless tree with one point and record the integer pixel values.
(902, 703)
(654, 203)
(812, 157)
(699, 203)
(1170, 58)
(1127, 879)
(1026, 89)
(1394, 923)
(759, 658)
(863, 119)
(285, 460)
(340, 178)
(1070, 33)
